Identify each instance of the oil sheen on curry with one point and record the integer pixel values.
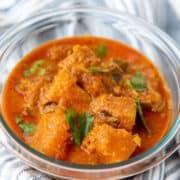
(87, 100)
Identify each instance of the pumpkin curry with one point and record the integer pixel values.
(87, 100)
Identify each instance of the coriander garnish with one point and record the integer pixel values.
(97, 70)
(28, 129)
(42, 72)
(36, 67)
(138, 82)
(102, 50)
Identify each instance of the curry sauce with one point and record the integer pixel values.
(87, 100)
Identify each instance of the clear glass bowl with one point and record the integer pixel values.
(56, 23)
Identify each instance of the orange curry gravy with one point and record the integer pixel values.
(22, 104)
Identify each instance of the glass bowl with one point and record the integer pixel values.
(59, 23)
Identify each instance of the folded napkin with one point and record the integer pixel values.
(12, 168)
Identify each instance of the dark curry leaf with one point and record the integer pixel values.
(102, 50)
(86, 127)
(116, 76)
(141, 116)
(138, 82)
(76, 135)
(79, 125)
(123, 65)
(71, 114)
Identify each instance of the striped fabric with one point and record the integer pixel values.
(155, 11)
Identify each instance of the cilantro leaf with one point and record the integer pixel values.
(42, 71)
(38, 63)
(102, 50)
(36, 67)
(28, 129)
(141, 116)
(27, 73)
(97, 70)
(128, 84)
(18, 119)
(138, 82)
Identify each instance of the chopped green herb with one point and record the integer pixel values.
(141, 116)
(96, 70)
(28, 129)
(18, 120)
(36, 67)
(128, 84)
(79, 125)
(138, 82)
(26, 73)
(42, 72)
(38, 63)
(102, 50)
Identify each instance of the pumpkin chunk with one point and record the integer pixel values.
(121, 111)
(110, 144)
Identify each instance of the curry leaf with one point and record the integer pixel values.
(76, 135)
(102, 50)
(138, 82)
(141, 116)
(89, 123)
(86, 121)
(79, 125)
(123, 65)
(28, 129)
(70, 117)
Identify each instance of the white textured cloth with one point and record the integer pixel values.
(155, 11)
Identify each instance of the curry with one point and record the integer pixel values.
(87, 100)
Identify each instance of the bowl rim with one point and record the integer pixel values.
(114, 14)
